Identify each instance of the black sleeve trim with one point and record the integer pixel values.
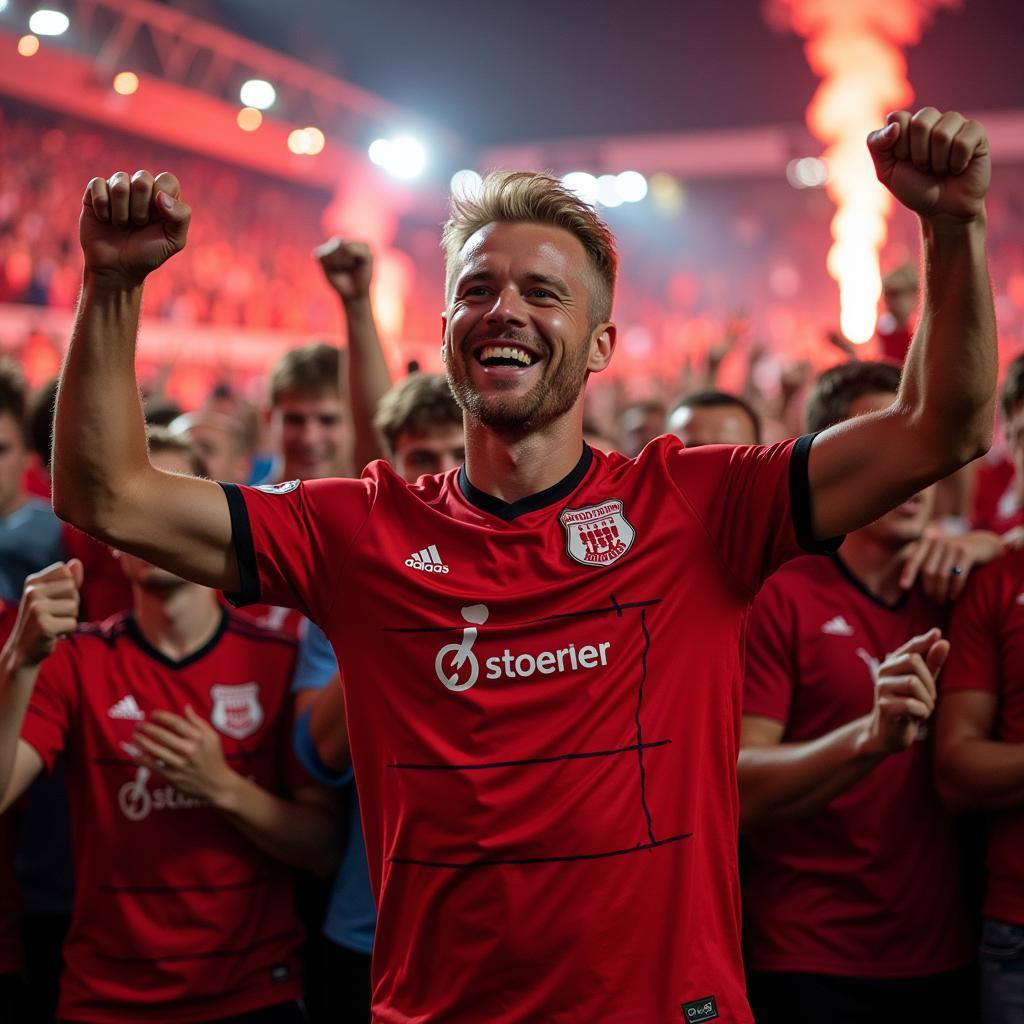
(800, 500)
(245, 550)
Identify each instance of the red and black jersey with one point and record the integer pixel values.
(870, 885)
(178, 916)
(543, 705)
(10, 899)
(987, 653)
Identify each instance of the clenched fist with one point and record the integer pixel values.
(348, 267)
(936, 164)
(48, 609)
(130, 226)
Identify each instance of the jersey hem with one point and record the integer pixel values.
(800, 500)
(245, 550)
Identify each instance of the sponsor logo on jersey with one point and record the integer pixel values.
(427, 560)
(237, 711)
(285, 487)
(837, 627)
(597, 534)
(128, 708)
(137, 801)
(700, 1010)
(458, 667)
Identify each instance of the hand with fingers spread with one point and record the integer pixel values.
(48, 610)
(936, 164)
(905, 693)
(188, 753)
(348, 267)
(941, 562)
(130, 226)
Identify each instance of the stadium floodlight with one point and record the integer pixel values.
(807, 172)
(48, 22)
(28, 46)
(581, 184)
(631, 186)
(257, 93)
(126, 83)
(249, 119)
(402, 157)
(608, 191)
(466, 184)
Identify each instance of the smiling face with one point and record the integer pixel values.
(519, 341)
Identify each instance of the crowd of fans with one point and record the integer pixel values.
(185, 885)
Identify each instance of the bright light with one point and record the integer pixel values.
(3, 6)
(28, 46)
(126, 83)
(466, 184)
(257, 93)
(49, 23)
(608, 191)
(583, 185)
(667, 194)
(807, 172)
(631, 186)
(298, 142)
(249, 119)
(402, 157)
(315, 140)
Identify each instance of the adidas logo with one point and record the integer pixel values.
(837, 627)
(427, 560)
(127, 707)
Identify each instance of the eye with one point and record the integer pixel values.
(475, 291)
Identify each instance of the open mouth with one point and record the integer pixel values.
(505, 355)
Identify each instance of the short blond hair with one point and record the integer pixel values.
(528, 197)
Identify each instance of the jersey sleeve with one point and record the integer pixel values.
(770, 675)
(974, 661)
(54, 704)
(316, 664)
(753, 500)
(292, 540)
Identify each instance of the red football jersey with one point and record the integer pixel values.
(869, 886)
(543, 705)
(178, 916)
(10, 899)
(987, 653)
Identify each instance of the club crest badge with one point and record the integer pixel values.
(237, 711)
(598, 534)
(285, 487)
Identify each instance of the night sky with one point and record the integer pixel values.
(498, 72)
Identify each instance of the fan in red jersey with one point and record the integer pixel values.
(979, 746)
(10, 902)
(542, 650)
(174, 721)
(854, 885)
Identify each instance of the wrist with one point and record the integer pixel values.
(225, 794)
(111, 283)
(357, 306)
(955, 228)
(868, 747)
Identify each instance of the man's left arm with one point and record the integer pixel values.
(938, 166)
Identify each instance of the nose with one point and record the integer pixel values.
(508, 309)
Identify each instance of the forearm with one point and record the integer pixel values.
(369, 379)
(298, 834)
(982, 775)
(791, 780)
(949, 380)
(16, 682)
(99, 430)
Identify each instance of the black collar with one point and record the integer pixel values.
(136, 634)
(847, 573)
(509, 510)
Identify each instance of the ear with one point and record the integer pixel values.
(444, 336)
(602, 347)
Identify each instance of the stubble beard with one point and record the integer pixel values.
(548, 400)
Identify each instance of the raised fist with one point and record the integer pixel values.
(348, 267)
(905, 692)
(937, 165)
(48, 609)
(130, 226)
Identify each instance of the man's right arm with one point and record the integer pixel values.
(780, 781)
(103, 481)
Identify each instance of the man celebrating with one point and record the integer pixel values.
(549, 805)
